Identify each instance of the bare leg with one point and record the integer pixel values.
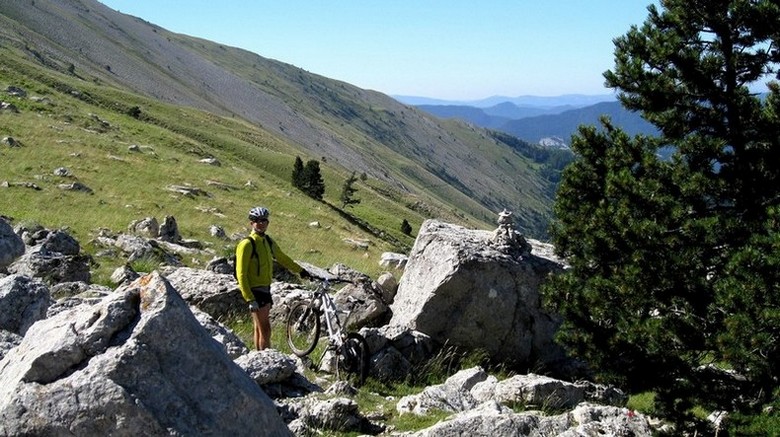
(262, 328)
(256, 328)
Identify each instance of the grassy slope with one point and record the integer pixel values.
(455, 163)
(91, 135)
(448, 163)
(269, 112)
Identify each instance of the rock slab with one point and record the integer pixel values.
(137, 363)
(462, 289)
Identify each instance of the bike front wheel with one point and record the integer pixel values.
(354, 358)
(303, 329)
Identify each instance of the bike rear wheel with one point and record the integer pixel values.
(354, 358)
(303, 329)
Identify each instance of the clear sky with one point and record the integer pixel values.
(445, 49)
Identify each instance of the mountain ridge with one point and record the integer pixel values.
(565, 124)
(537, 125)
(521, 101)
(461, 167)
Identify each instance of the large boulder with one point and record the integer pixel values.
(494, 419)
(232, 344)
(137, 363)
(147, 227)
(23, 301)
(364, 303)
(11, 245)
(484, 406)
(532, 391)
(461, 288)
(54, 257)
(8, 341)
(169, 230)
(452, 396)
(215, 293)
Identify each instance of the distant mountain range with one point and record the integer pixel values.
(548, 121)
(573, 100)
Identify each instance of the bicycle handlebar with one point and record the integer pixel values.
(331, 280)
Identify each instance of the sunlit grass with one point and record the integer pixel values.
(642, 402)
(146, 264)
(413, 422)
(132, 185)
(93, 143)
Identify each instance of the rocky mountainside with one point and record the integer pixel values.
(349, 128)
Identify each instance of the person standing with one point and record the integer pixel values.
(254, 270)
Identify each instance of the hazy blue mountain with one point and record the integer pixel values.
(563, 125)
(538, 124)
(513, 112)
(494, 117)
(471, 114)
(576, 100)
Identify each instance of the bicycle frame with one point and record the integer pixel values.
(304, 330)
(331, 312)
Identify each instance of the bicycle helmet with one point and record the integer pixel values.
(258, 213)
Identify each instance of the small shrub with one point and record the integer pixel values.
(101, 277)
(448, 361)
(145, 265)
(642, 402)
(134, 112)
(406, 228)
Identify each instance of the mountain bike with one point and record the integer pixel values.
(303, 333)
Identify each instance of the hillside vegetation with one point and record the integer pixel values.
(90, 131)
(188, 98)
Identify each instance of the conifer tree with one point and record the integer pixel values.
(313, 184)
(406, 228)
(297, 174)
(674, 264)
(348, 191)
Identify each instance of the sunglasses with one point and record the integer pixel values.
(261, 221)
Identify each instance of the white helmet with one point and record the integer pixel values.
(258, 213)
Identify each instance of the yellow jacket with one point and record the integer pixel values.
(255, 272)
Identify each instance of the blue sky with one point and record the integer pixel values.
(445, 49)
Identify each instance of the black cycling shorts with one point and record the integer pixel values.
(262, 296)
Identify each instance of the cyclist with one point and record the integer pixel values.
(254, 272)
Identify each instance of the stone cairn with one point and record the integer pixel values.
(507, 239)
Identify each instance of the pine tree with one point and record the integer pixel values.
(297, 174)
(406, 228)
(347, 191)
(674, 264)
(313, 184)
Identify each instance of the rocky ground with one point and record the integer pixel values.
(151, 357)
